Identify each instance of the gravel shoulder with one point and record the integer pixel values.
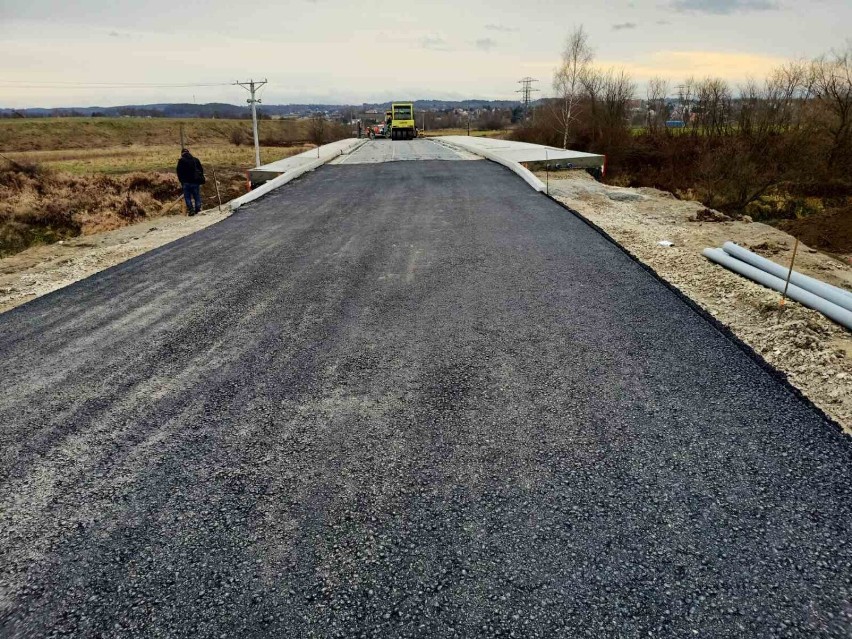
(814, 353)
(42, 269)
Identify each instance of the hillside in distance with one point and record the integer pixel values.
(223, 110)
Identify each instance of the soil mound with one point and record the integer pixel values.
(829, 232)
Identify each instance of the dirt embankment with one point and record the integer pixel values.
(812, 351)
(828, 232)
(41, 206)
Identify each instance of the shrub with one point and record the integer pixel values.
(237, 136)
(38, 206)
(130, 209)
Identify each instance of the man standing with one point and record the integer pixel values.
(191, 176)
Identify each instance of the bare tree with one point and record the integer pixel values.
(685, 94)
(715, 107)
(577, 58)
(618, 91)
(593, 81)
(317, 129)
(775, 106)
(832, 87)
(658, 89)
(608, 94)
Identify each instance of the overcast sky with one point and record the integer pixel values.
(340, 51)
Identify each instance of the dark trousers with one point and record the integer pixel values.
(192, 192)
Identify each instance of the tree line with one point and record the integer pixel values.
(764, 147)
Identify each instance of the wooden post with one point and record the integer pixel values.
(790, 272)
(172, 205)
(218, 196)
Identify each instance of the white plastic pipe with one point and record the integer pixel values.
(827, 291)
(832, 311)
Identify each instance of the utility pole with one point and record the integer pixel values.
(526, 92)
(252, 86)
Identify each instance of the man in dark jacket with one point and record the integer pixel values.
(191, 176)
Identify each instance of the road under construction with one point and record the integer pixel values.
(406, 398)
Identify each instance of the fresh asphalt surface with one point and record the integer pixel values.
(406, 399)
(381, 150)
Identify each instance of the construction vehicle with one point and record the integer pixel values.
(402, 121)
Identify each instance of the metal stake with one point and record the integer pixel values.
(547, 171)
(216, 182)
(790, 272)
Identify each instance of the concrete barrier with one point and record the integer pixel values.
(299, 165)
(522, 171)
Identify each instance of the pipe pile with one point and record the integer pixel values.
(833, 302)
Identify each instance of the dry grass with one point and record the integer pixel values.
(124, 159)
(47, 134)
(72, 176)
(41, 206)
(503, 134)
(89, 191)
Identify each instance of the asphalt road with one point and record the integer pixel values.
(406, 399)
(382, 150)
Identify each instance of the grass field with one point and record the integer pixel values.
(68, 176)
(125, 159)
(49, 134)
(473, 132)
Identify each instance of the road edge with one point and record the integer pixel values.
(289, 176)
(723, 328)
(515, 167)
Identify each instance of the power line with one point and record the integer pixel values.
(526, 92)
(28, 84)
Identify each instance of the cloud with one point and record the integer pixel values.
(663, 22)
(486, 44)
(434, 42)
(116, 34)
(723, 7)
(624, 25)
(500, 27)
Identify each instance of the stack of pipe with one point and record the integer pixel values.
(833, 302)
